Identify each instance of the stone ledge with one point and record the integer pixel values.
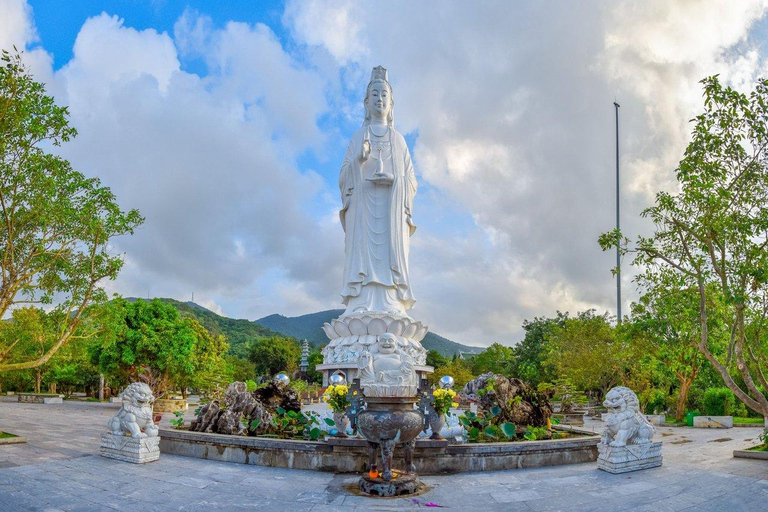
(750, 454)
(349, 455)
(713, 421)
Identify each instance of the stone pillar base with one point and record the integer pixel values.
(633, 457)
(130, 449)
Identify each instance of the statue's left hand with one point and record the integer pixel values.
(382, 179)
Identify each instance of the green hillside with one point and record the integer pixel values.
(237, 331)
(309, 327)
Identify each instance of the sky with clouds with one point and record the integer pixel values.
(225, 124)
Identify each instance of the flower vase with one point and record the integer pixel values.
(341, 421)
(436, 423)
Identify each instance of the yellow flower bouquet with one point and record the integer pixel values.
(336, 397)
(443, 400)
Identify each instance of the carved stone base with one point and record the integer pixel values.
(633, 457)
(401, 484)
(130, 449)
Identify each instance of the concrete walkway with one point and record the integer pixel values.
(58, 470)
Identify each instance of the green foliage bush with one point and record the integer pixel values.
(719, 402)
(653, 401)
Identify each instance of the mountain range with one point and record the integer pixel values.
(240, 331)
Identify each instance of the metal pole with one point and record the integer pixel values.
(618, 225)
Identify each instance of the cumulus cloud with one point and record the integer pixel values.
(510, 110)
(513, 116)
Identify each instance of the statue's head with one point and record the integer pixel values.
(387, 343)
(378, 97)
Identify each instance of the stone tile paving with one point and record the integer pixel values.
(59, 471)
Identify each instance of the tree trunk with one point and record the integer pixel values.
(52, 387)
(38, 379)
(101, 386)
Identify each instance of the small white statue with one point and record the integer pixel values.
(387, 370)
(135, 416)
(625, 425)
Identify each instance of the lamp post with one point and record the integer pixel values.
(618, 225)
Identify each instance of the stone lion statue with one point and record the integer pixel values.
(135, 415)
(625, 424)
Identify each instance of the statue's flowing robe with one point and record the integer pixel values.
(377, 246)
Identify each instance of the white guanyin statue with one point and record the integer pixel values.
(387, 370)
(378, 185)
(377, 189)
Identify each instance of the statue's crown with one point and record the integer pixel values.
(379, 73)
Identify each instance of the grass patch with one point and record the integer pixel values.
(759, 448)
(4, 435)
(755, 421)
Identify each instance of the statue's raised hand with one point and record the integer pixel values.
(365, 149)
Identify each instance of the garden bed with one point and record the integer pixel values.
(349, 455)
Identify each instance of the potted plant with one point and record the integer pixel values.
(336, 398)
(442, 401)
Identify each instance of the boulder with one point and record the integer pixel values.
(520, 403)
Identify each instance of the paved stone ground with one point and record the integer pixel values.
(58, 470)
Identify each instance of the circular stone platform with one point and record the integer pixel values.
(401, 484)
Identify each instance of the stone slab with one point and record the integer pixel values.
(657, 419)
(115, 400)
(633, 457)
(53, 400)
(750, 454)
(130, 449)
(13, 440)
(713, 421)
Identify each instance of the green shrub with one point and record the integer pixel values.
(719, 402)
(653, 401)
(251, 385)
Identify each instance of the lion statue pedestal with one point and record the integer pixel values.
(626, 441)
(133, 435)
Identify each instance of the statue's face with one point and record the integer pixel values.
(379, 100)
(387, 345)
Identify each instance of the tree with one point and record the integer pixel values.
(459, 369)
(496, 358)
(585, 350)
(55, 224)
(435, 359)
(275, 354)
(240, 369)
(669, 322)
(712, 236)
(529, 361)
(149, 341)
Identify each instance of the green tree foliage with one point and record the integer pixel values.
(315, 358)
(240, 369)
(275, 354)
(586, 350)
(150, 341)
(496, 358)
(459, 369)
(712, 236)
(435, 359)
(529, 361)
(55, 224)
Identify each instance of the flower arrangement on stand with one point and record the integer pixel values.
(442, 401)
(338, 401)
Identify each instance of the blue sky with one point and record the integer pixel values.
(225, 123)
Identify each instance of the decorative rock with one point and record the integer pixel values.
(623, 459)
(626, 441)
(533, 409)
(713, 421)
(138, 450)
